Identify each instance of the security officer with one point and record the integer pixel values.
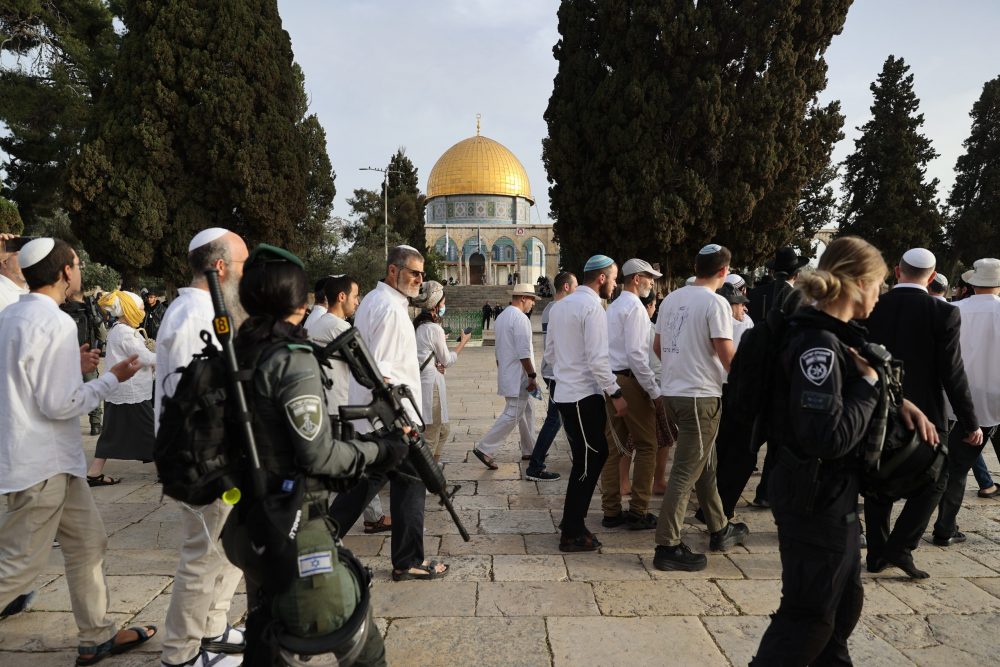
(90, 331)
(304, 460)
(825, 397)
(155, 309)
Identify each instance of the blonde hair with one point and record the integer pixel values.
(845, 264)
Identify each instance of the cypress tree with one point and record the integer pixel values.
(887, 199)
(672, 124)
(202, 125)
(974, 225)
(406, 202)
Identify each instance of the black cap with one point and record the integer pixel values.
(731, 294)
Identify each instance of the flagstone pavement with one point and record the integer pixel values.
(512, 598)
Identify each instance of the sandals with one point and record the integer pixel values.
(427, 572)
(486, 459)
(379, 526)
(102, 480)
(989, 494)
(109, 648)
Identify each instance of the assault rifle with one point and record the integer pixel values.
(387, 412)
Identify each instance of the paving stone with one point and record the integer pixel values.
(903, 630)
(584, 641)
(557, 488)
(878, 600)
(942, 563)
(516, 521)
(536, 502)
(477, 471)
(753, 596)
(441, 523)
(424, 598)
(536, 598)
(42, 631)
(943, 596)
(529, 568)
(661, 598)
(461, 568)
(366, 545)
(605, 567)
(990, 584)
(719, 567)
(758, 565)
(492, 487)
(761, 543)
(542, 544)
(964, 640)
(478, 502)
(486, 642)
(147, 561)
(432, 544)
(128, 594)
(482, 544)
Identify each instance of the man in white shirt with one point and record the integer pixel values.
(565, 283)
(980, 346)
(384, 324)
(628, 353)
(197, 628)
(583, 376)
(694, 335)
(12, 284)
(516, 378)
(320, 304)
(42, 464)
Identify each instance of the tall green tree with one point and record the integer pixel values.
(203, 124)
(674, 123)
(887, 198)
(55, 59)
(975, 199)
(406, 202)
(10, 217)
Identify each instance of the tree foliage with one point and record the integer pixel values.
(887, 199)
(55, 59)
(10, 217)
(975, 199)
(406, 207)
(203, 124)
(674, 123)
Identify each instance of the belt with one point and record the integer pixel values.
(627, 372)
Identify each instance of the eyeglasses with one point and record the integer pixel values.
(421, 274)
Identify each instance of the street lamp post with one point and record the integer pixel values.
(385, 193)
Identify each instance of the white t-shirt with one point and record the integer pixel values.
(323, 331)
(688, 321)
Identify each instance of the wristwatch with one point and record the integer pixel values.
(532, 376)
(617, 394)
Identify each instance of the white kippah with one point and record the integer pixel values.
(35, 251)
(206, 236)
(689, 281)
(920, 258)
(710, 249)
(736, 280)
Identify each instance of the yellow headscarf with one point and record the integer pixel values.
(125, 306)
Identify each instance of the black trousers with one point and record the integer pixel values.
(961, 456)
(910, 524)
(821, 593)
(406, 507)
(737, 457)
(584, 423)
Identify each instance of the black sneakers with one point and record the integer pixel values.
(636, 521)
(543, 476)
(679, 557)
(613, 521)
(956, 538)
(730, 536)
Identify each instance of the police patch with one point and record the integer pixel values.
(305, 413)
(816, 364)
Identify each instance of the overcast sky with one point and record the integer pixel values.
(388, 73)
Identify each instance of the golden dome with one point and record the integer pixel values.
(478, 166)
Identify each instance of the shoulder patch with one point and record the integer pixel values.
(299, 346)
(305, 413)
(816, 364)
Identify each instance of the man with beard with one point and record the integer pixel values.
(384, 324)
(583, 377)
(154, 313)
(197, 626)
(628, 352)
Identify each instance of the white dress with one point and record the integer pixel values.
(431, 340)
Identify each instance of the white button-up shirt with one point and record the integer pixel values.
(385, 327)
(628, 341)
(580, 361)
(513, 343)
(42, 394)
(313, 317)
(10, 292)
(980, 341)
(123, 342)
(431, 341)
(179, 339)
(323, 332)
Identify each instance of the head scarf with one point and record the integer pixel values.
(126, 306)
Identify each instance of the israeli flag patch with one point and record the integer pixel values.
(312, 564)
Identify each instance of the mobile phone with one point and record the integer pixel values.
(468, 330)
(16, 243)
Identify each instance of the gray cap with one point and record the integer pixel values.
(731, 294)
(636, 265)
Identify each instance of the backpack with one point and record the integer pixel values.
(198, 451)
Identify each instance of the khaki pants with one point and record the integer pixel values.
(436, 433)
(640, 423)
(694, 467)
(203, 585)
(60, 507)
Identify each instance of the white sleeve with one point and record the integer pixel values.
(521, 333)
(637, 349)
(382, 340)
(439, 344)
(55, 378)
(595, 341)
(133, 343)
(720, 319)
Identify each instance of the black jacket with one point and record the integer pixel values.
(923, 332)
(88, 327)
(764, 297)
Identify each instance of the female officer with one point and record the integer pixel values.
(824, 399)
(297, 449)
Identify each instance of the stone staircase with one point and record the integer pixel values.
(472, 297)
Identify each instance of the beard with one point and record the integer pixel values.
(231, 295)
(605, 291)
(644, 293)
(408, 290)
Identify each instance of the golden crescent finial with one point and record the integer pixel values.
(478, 116)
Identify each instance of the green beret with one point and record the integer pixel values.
(265, 252)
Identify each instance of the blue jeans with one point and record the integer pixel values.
(982, 473)
(547, 433)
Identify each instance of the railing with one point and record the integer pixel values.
(456, 321)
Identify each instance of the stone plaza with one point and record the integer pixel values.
(512, 599)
